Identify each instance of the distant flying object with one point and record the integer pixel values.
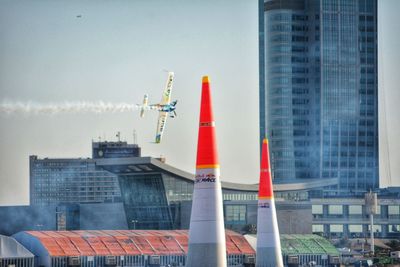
(79, 16)
(165, 107)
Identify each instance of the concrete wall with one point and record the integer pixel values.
(96, 216)
(102, 216)
(294, 218)
(21, 218)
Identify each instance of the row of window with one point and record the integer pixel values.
(50, 201)
(286, 17)
(352, 209)
(355, 228)
(235, 213)
(288, 48)
(57, 195)
(288, 59)
(287, 28)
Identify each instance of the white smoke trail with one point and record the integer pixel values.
(98, 107)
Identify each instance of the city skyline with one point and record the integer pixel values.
(49, 56)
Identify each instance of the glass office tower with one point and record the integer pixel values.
(318, 90)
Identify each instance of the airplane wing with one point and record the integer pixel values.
(162, 119)
(148, 107)
(166, 97)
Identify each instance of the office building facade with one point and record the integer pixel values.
(318, 91)
(59, 180)
(348, 217)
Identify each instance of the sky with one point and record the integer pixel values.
(117, 51)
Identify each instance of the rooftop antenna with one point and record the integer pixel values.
(134, 137)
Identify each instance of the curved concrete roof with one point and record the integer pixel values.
(149, 164)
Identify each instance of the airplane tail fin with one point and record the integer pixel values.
(144, 106)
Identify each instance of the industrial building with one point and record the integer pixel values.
(140, 248)
(13, 254)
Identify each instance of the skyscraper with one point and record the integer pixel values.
(318, 90)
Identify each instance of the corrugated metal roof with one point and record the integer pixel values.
(301, 244)
(11, 249)
(128, 242)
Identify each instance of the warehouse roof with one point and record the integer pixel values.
(307, 244)
(301, 244)
(11, 249)
(127, 242)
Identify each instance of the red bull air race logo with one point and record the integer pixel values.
(205, 178)
(264, 205)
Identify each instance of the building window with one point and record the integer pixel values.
(335, 209)
(376, 228)
(394, 228)
(317, 209)
(317, 228)
(355, 228)
(378, 209)
(235, 214)
(336, 228)
(393, 210)
(355, 209)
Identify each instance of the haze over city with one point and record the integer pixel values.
(52, 52)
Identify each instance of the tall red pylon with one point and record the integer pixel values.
(269, 252)
(207, 246)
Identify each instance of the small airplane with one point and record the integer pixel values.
(165, 107)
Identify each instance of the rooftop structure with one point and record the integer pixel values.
(119, 149)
